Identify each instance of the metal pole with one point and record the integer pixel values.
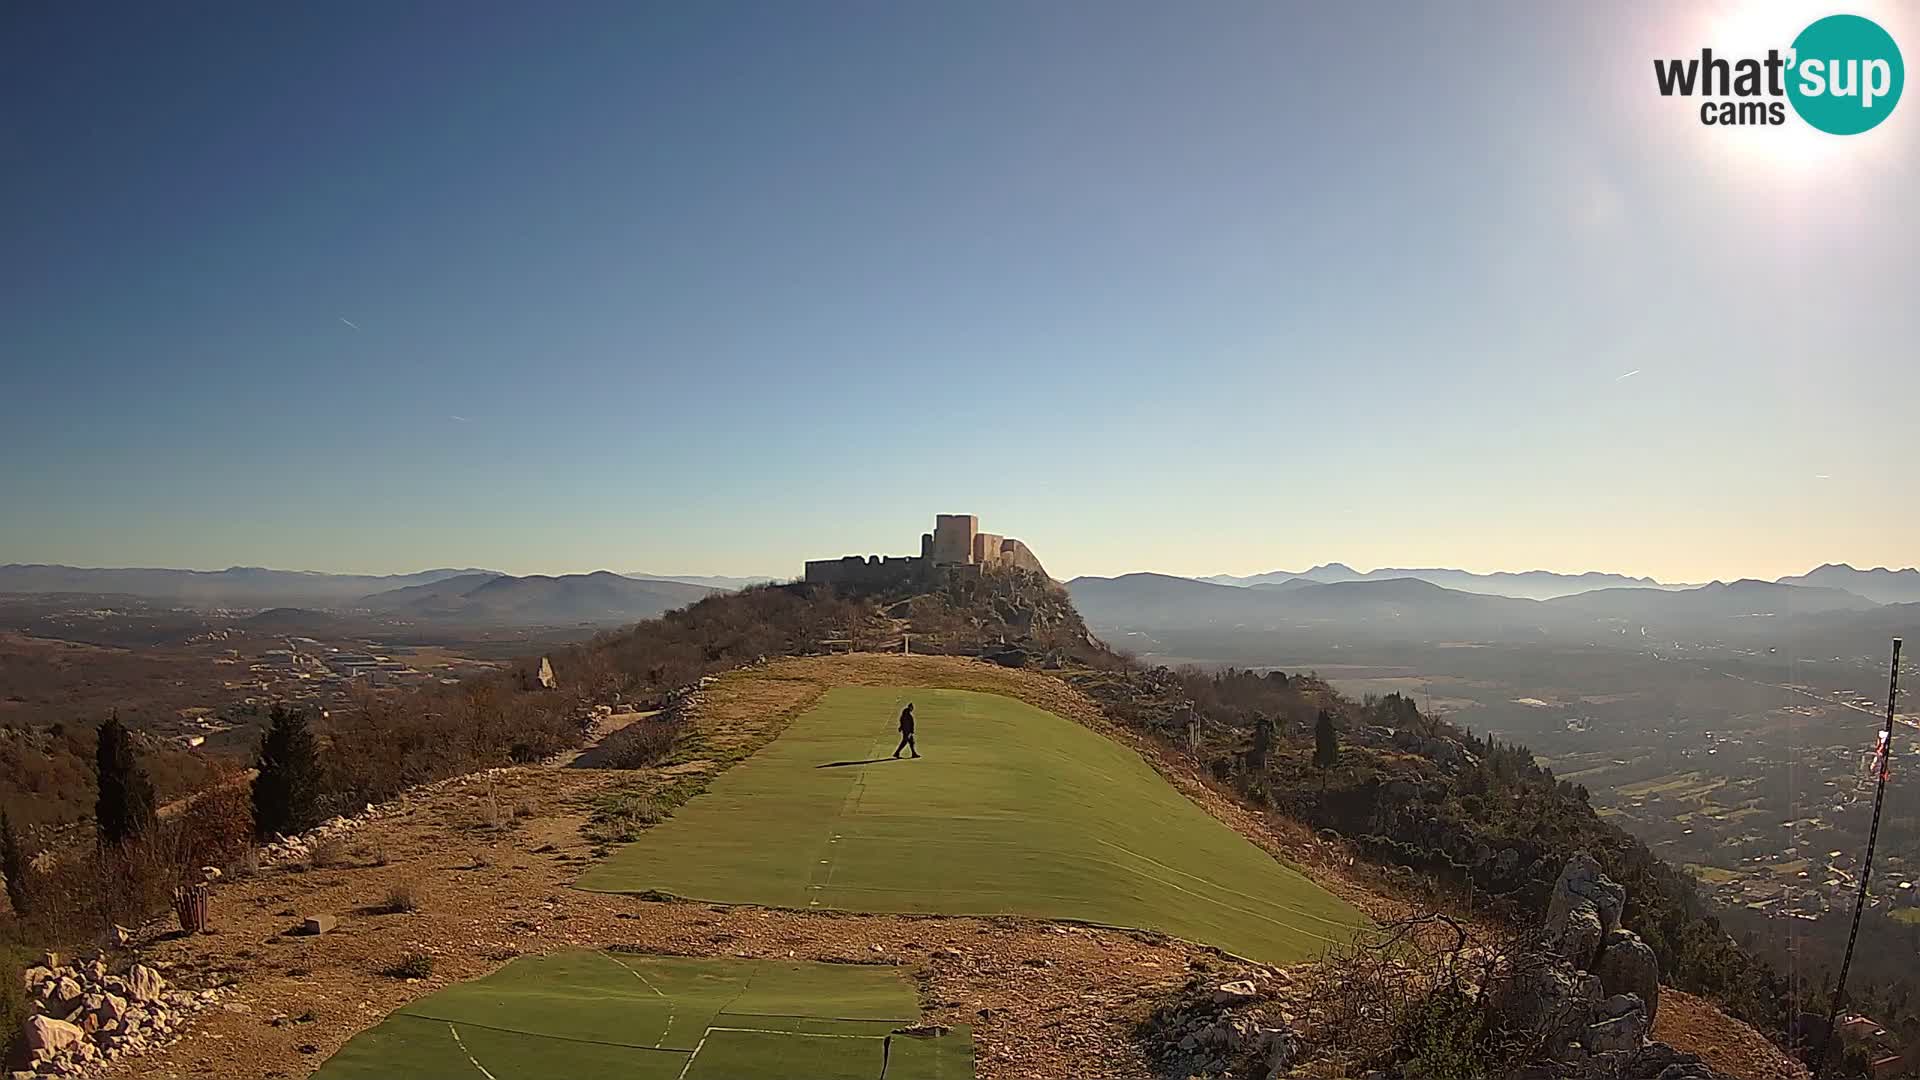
(1866, 867)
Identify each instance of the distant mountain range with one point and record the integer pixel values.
(469, 594)
(1433, 602)
(1529, 585)
(236, 586)
(1416, 609)
(1880, 585)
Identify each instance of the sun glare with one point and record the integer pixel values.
(1792, 154)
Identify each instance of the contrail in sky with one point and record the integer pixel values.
(1628, 375)
(462, 419)
(348, 321)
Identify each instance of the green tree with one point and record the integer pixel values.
(13, 863)
(1326, 741)
(124, 809)
(286, 792)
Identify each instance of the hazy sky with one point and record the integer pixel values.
(717, 288)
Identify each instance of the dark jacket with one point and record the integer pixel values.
(906, 720)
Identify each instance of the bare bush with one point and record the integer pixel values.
(402, 899)
(642, 743)
(1420, 996)
(414, 965)
(216, 826)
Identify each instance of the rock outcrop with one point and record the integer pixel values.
(87, 1015)
(1233, 1028)
(1591, 991)
(1585, 908)
(1628, 966)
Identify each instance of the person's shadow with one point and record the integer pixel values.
(844, 764)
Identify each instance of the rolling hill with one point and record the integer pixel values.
(603, 597)
(1711, 603)
(1417, 610)
(1881, 585)
(236, 586)
(1401, 605)
(1527, 585)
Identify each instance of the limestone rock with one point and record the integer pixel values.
(319, 924)
(1627, 966)
(1238, 992)
(145, 984)
(1624, 1032)
(1545, 993)
(1585, 908)
(67, 993)
(44, 1033)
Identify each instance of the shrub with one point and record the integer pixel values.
(402, 899)
(641, 743)
(1418, 998)
(14, 960)
(216, 826)
(414, 965)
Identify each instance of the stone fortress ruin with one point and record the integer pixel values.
(956, 543)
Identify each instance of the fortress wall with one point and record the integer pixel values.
(1015, 553)
(986, 548)
(866, 572)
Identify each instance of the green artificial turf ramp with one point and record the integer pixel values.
(589, 1015)
(730, 1055)
(1010, 810)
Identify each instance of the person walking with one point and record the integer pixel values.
(906, 732)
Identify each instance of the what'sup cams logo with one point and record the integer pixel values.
(1842, 75)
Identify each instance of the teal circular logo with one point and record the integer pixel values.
(1847, 74)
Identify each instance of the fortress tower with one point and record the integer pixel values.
(953, 536)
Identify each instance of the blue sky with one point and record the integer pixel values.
(720, 287)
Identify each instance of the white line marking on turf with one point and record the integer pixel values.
(768, 1031)
(668, 1029)
(692, 1056)
(801, 1034)
(635, 974)
(455, 1032)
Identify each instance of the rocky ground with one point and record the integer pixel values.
(464, 876)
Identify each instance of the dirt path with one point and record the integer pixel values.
(588, 756)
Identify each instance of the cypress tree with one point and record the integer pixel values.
(124, 809)
(1262, 742)
(286, 792)
(1326, 741)
(13, 863)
